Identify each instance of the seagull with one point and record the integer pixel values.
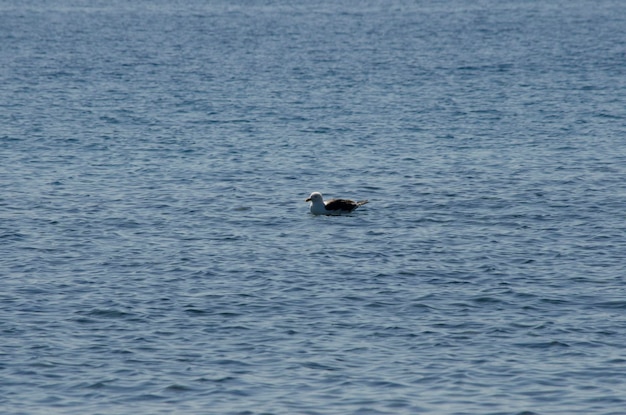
(332, 207)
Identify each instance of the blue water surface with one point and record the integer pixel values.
(157, 255)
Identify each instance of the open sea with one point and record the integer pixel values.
(157, 255)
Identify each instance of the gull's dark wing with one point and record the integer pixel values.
(341, 204)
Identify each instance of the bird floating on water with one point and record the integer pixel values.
(332, 207)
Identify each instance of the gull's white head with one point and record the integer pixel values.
(315, 198)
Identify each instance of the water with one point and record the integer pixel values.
(158, 256)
